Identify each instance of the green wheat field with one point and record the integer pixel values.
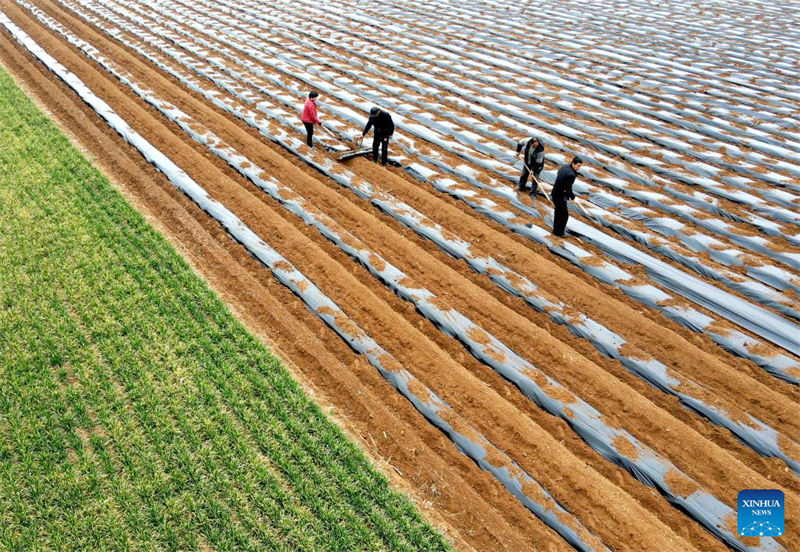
(136, 413)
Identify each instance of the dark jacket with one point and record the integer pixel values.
(384, 126)
(534, 157)
(562, 187)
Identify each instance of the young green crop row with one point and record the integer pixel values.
(135, 412)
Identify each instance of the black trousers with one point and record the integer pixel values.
(560, 217)
(383, 142)
(309, 133)
(523, 180)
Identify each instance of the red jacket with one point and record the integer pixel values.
(310, 113)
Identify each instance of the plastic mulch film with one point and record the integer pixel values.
(773, 276)
(777, 367)
(465, 437)
(587, 421)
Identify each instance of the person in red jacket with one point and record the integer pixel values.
(310, 117)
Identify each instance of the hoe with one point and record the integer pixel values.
(355, 152)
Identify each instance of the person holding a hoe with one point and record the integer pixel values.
(532, 152)
(381, 120)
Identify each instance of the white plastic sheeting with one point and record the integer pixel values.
(777, 367)
(466, 438)
(584, 418)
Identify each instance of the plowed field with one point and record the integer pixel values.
(613, 389)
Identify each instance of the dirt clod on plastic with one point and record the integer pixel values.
(680, 484)
(626, 448)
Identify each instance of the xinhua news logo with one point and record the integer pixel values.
(760, 513)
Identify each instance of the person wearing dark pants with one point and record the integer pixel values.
(532, 153)
(309, 134)
(383, 143)
(562, 192)
(310, 117)
(560, 217)
(384, 129)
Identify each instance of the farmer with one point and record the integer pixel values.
(384, 129)
(562, 191)
(310, 117)
(532, 153)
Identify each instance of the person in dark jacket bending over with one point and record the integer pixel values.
(384, 129)
(562, 191)
(532, 153)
